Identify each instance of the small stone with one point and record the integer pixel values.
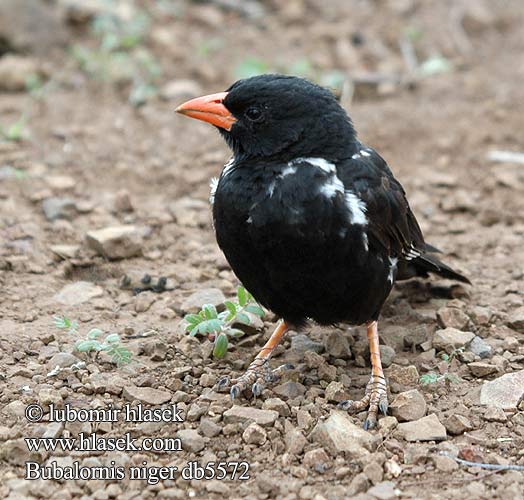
(59, 208)
(290, 390)
(358, 484)
(278, 405)
(336, 392)
(62, 359)
(328, 372)
(66, 251)
(452, 317)
(451, 337)
(337, 345)
(107, 382)
(480, 369)
(403, 375)
(408, 406)
(209, 428)
(116, 242)
(60, 182)
(387, 424)
(504, 392)
(295, 441)
(195, 301)
(457, 424)
(425, 429)
(515, 319)
(383, 491)
(195, 412)
(494, 414)
(302, 344)
(122, 202)
(480, 315)
(191, 440)
(480, 347)
(254, 434)
(339, 434)
(249, 414)
(317, 460)
(445, 464)
(15, 71)
(153, 397)
(48, 395)
(144, 301)
(387, 355)
(78, 293)
(374, 472)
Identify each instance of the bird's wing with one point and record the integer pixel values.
(392, 225)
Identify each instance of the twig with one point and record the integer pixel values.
(506, 157)
(451, 481)
(494, 467)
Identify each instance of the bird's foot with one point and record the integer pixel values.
(256, 377)
(375, 399)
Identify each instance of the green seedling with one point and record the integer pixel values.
(219, 326)
(14, 132)
(96, 341)
(432, 378)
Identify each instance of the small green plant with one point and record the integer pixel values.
(93, 342)
(16, 131)
(432, 378)
(219, 326)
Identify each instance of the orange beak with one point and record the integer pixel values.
(209, 108)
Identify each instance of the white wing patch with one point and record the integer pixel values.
(213, 185)
(412, 253)
(357, 208)
(321, 163)
(228, 167)
(332, 186)
(392, 268)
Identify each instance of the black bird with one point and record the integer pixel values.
(312, 222)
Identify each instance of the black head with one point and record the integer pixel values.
(277, 116)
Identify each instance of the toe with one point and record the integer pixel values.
(370, 422)
(257, 388)
(234, 392)
(383, 406)
(345, 405)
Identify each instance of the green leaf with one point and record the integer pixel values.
(210, 311)
(192, 319)
(221, 344)
(120, 355)
(242, 296)
(255, 309)
(428, 379)
(94, 333)
(231, 307)
(112, 338)
(88, 346)
(194, 331)
(243, 318)
(65, 323)
(234, 332)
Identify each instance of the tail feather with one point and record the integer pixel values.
(427, 263)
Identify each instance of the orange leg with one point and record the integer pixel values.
(376, 391)
(258, 371)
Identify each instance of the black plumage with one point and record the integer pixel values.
(312, 221)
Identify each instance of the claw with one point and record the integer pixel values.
(234, 392)
(257, 389)
(345, 405)
(383, 406)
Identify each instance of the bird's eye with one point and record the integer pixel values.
(254, 114)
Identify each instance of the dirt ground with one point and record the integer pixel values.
(83, 158)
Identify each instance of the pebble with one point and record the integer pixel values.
(387, 424)
(515, 320)
(403, 375)
(383, 491)
(147, 395)
(62, 359)
(48, 395)
(452, 317)
(209, 428)
(494, 414)
(425, 429)
(317, 460)
(59, 208)
(116, 242)
(290, 390)
(60, 182)
(451, 337)
(196, 300)
(295, 441)
(78, 293)
(387, 355)
(504, 392)
(15, 71)
(480, 347)
(358, 484)
(457, 424)
(249, 414)
(254, 434)
(408, 406)
(339, 434)
(191, 440)
(144, 301)
(278, 405)
(374, 472)
(337, 345)
(302, 344)
(481, 369)
(445, 464)
(335, 391)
